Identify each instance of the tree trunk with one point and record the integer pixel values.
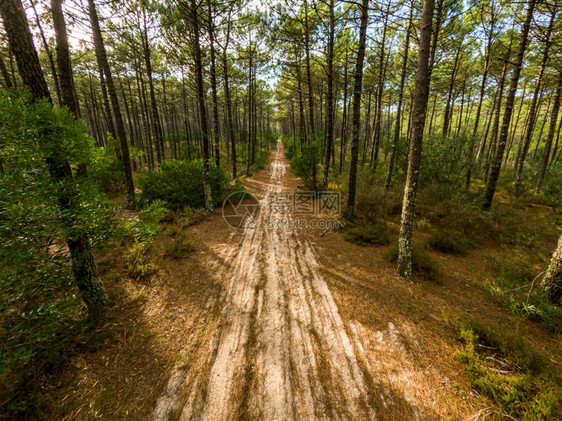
(308, 76)
(229, 119)
(496, 166)
(160, 154)
(524, 146)
(550, 136)
(214, 88)
(380, 89)
(7, 80)
(343, 138)
(83, 264)
(472, 140)
(421, 96)
(104, 65)
(68, 90)
(400, 98)
(329, 98)
(552, 281)
(202, 110)
(356, 123)
(447, 113)
(49, 55)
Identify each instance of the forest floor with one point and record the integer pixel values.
(278, 324)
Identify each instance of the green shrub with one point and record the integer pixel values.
(305, 164)
(525, 387)
(179, 246)
(532, 304)
(40, 309)
(371, 234)
(448, 241)
(515, 269)
(422, 263)
(142, 228)
(180, 184)
(140, 266)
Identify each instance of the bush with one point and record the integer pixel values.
(524, 385)
(422, 263)
(305, 164)
(448, 241)
(178, 247)
(142, 228)
(107, 171)
(40, 309)
(180, 184)
(372, 234)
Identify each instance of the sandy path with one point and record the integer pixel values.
(283, 351)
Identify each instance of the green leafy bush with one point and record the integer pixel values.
(142, 228)
(371, 234)
(179, 246)
(422, 263)
(448, 241)
(107, 171)
(532, 304)
(305, 164)
(40, 309)
(180, 184)
(524, 386)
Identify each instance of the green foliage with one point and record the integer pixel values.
(143, 227)
(437, 166)
(448, 241)
(371, 234)
(179, 247)
(423, 264)
(529, 303)
(107, 171)
(40, 309)
(288, 145)
(140, 266)
(305, 164)
(516, 286)
(523, 385)
(180, 184)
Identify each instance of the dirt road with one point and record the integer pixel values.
(281, 350)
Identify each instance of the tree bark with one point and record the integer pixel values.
(550, 136)
(421, 95)
(49, 55)
(356, 123)
(329, 98)
(7, 80)
(552, 281)
(68, 90)
(524, 146)
(201, 101)
(160, 154)
(472, 140)
(214, 88)
(397, 126)
(228, 100)
(496, 166)
(83, 264)
(120, 126)
(308, 76)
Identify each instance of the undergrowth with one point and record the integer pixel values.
(449, 241)
(423, 264)
(503, 367)
(517, 287)
(371, 234)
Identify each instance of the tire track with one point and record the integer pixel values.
(283, 351)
